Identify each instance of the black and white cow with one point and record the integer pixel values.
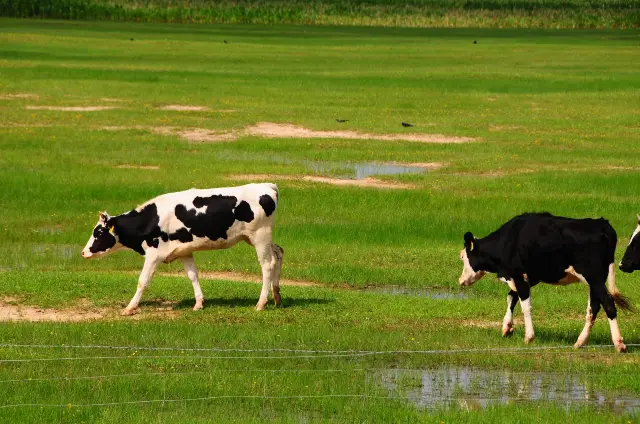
(175, 225)
(631, 260)
(540, 247)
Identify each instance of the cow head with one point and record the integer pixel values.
(470, 256)
(631, 259)
(103, 239)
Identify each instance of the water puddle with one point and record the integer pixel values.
(471, 388)
(363, 170)
(425, 292)
(56, 250)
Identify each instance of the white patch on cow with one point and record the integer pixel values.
(468, 276)
(507, 322)
(528, 322)
(635, 233)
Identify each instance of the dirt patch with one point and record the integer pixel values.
(273, 130)
(72, 108)
(19, 96)
(425, 165)
(110, 99)
(238, 276)
(504, 127)
(12, 312)
(127, 166)
(202, 135)
(184, 108)
(483, 324)
(368, 182)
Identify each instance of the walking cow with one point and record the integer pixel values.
(540, 247)
(175, 225)
(631, 260)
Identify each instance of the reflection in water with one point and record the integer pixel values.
(408, 291)
(364, 169)
(479, 389)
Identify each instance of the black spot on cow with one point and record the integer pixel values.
(183, 235)
(267, 204)
(135, 227)
(220, 214)
(244, 212)
(103, 239)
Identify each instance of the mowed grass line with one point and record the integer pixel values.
(554, 117)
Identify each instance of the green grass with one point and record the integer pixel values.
(555, 114)
(390, 13)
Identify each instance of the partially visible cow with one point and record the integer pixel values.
(540, 247)
(175, 225)
(631, 260)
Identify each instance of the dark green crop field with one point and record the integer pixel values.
(388, 13)
(104, 116)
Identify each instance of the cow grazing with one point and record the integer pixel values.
(540, 247)
(631, 260)
(175, 225)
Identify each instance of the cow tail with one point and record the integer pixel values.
(621, 301)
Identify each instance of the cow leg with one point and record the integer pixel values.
(609, 307)
(268, 262)
(590, 319)
(150, 263)
(524, 294)
(192, 272)
(278, 252)
(507, 323)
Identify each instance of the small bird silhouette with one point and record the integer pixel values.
(406, 124)
(225, 42)
(342, 120)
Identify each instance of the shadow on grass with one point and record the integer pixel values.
(232, 302)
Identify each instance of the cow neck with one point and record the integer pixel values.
(135, 226)
(491, 250)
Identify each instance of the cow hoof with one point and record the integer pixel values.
(507, 330)
(621, 348)
(261, 306)
(128, 312)
(529, 339)
(577, 345)
(197, 307)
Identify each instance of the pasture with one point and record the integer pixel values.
(104, 116)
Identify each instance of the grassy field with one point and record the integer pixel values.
(554, 118)
(391, 13)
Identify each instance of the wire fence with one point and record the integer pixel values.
(373, 384)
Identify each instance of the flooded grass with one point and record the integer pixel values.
(362, 170)
(430, 293)
(480, 389)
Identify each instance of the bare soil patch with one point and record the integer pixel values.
(9, 311)
(274, 130)
(111, 99)
(72, 108)
(19, 96)
(202, 135)
(184, 108)
(483, 324)
(127, 166)
(368, 182)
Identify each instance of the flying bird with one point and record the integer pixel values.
(406, 124)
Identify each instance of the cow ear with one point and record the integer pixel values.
(469, 241)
